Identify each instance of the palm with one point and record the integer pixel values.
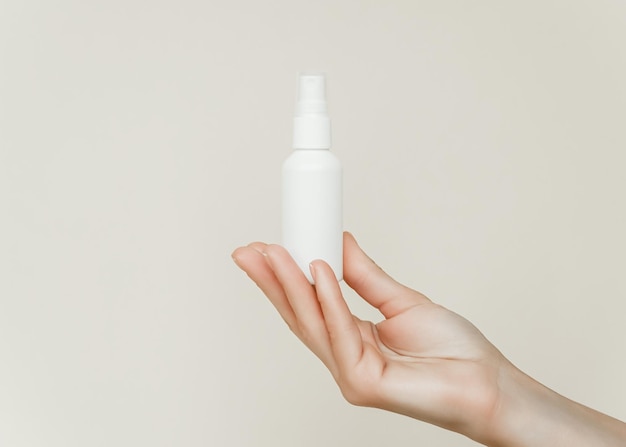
(425, 348)
(429, 331)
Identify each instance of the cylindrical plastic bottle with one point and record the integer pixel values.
(312, 184)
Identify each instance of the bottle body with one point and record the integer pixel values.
(312, 209)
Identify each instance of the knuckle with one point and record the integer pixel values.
(356, 390)
(355, 396)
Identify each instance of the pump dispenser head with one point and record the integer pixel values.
(311, 125)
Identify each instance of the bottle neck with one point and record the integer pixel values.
(311, 132)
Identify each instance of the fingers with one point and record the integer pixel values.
(291, 293)
(252, 260)
(319, 315)
(299, 291)
(373, 284)
(302, 299)
(344, 334)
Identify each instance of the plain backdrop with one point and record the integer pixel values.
(483, 144)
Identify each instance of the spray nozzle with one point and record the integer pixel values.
(311, 95)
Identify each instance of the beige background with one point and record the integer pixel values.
(141, 141)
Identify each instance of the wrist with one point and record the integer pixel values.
(521, 417)
(530, 414)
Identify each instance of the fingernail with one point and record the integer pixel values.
(235, 260)
(312, 270)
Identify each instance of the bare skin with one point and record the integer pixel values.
(422, 360)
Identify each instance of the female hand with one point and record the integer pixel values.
(422, 360)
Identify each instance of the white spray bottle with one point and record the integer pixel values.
(312, 184)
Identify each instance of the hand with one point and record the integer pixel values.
(422, 360)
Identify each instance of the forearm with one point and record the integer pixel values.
(530, 414)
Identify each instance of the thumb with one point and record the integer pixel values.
(373, 284)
